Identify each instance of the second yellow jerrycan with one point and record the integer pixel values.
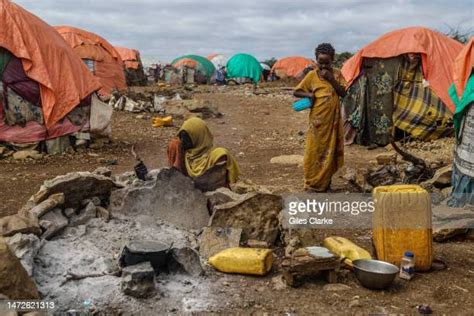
(402, 222)
(345, 248)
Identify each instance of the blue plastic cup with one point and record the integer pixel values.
(302, 104)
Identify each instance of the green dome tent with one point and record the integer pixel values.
(200, 63)
(244, 66)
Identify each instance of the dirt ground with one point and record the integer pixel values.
(256, 128)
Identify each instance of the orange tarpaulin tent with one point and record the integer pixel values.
(463, 66)
(63, 78)
(291, 66)
(185, 62)
(130, 57)
(437, 52)
(108, 64)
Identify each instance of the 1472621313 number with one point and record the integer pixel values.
(32, 305)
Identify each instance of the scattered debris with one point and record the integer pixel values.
(25, 154)
(162, 121)
(183, 109)
(424, 309)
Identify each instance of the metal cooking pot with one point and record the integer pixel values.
(374, 274)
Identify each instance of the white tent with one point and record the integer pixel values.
(265, 66)
(218, 60)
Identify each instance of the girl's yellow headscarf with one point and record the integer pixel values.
(203, 156)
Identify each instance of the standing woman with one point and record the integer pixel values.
(324, 147)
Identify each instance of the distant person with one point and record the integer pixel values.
(265, 74)
(220, 76)
(193, 152)
(324, 147)
(157, 72)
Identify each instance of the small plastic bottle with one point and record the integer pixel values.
(407, 266)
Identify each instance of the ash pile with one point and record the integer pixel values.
(93, 242)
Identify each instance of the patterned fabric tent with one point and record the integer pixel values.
(400, 81)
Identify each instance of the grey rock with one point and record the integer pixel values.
(53, 222)
(88, 213)
(19, 223)
(188, 259)
(25, 247)
(69, 212)
(216, 239)
(103, 171)
(444, 213)
(256, 213)
(139, 280)
(103, 213)
(96, 201)
(51, 202)
(76, 186)
(221, 196)
(172, 197)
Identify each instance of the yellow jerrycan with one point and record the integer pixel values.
(254, 261)
(402, 222)
(345, 248)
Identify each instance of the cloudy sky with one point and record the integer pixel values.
(162, 30)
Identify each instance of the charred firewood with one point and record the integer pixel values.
(419, 171)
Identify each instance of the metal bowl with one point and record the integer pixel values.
(374, 274)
